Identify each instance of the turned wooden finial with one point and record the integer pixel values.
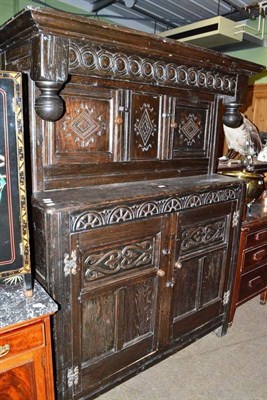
(232, 116)
(49, 106)
(49, 71)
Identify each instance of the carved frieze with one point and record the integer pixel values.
(105, 263)
(96, 218)
(97, 60)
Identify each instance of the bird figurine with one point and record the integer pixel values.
(244, 140)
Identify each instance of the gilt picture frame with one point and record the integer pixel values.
(14, 233)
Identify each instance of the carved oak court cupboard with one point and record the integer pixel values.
(135, 235)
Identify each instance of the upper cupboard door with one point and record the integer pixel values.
(144, 137)
(87, 131)
(191, 125)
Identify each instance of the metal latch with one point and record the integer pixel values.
(73, 376)
(70, 263)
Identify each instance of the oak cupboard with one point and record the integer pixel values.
(135, 235)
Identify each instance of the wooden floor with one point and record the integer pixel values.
(230, 368)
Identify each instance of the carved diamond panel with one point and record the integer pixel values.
(191, 133)
(190, 128)
(144, 128)
(84, 126)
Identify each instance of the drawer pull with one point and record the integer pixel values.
(259, 255)
(255, 281)
(261, 235)
(4, 350)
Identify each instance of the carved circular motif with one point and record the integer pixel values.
(74, 58)
(210, 80)
(159, 72)
(201, 78)
(232, 84)
(120, 64)
(171, 72)
(172, 205)
(226, 83)
(218, 82)
(148, 209)
(193, 201)
(134, 67)
(147, 69)
(105, 61)
(192, 76)
(88, 59)
(182, 75)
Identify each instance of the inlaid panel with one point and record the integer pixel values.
(145, 125)
(86, 131)
(190, 131)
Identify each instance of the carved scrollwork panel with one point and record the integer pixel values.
(195, 237)
(104, 263)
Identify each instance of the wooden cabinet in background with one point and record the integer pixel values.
(251, 275)
(26, 362)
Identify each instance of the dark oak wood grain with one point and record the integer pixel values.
(135, 236)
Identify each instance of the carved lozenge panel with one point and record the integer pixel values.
(84, 132)
(144, 133)
(191, 131)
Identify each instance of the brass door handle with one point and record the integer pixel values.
(161, 273)
(4, 350)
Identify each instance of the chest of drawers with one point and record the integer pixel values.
(25, 345)
(251, 276)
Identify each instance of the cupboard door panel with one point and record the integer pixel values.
(86, 132)
(144, 135)
(115, 298)
(191, 130)
(201, 269)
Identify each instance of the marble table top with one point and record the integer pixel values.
(16, 308)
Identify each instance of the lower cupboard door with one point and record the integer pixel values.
(115, 317)
(198, 292)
